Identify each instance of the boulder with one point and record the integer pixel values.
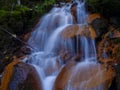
(108, 47)
(20, 76)
(64, 76)
(76, 30)
(51, 66)
(84, 76)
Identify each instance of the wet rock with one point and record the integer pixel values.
(73, 12)
(51, 66)
(25, 50)
(63, 77)
(67, 57)
(93, 76)
(20, 76)
(76, 30)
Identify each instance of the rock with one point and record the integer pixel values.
(84, 76)
(92, 17)
(64, 76)
(20, 76)
(25, 50)
(115, 20)
(73, 12)
(116, 34)
(113, 33)
(76, 30)
(66, 57)
(51, 66)
(98, 24)
(108, 48)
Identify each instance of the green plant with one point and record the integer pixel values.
(3, 14)
(44, 7)
(21, 8)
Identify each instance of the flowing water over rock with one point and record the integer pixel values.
(50, 44)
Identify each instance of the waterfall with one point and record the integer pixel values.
(53, 38)
(19, 2)
(46, 38)
(48, 24)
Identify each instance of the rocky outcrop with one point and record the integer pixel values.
(108, 48)
(85, 76)
(96, 23)
(76, 30)
(109, 52)
(99, 24)
(63, 77)
(92, 17)
(20, 76)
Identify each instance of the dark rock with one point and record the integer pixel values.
(100, 26)
(25, 50)
(73, 12)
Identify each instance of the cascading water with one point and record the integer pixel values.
(48, 24)
(46, 39)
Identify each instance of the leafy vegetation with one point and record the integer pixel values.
(19, 19)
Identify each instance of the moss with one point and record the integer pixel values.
(45, 7)
(19, 19)
(3, 14)
(21, 8)
(15, 13)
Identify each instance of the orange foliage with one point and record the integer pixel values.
(108, 46)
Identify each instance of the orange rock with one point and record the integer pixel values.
(50, 68)
(92, 32)
(108, 46)
(92, 17)
(116, 34)
(75, 30)
(84, 76)
(64, 76)
(70, 31)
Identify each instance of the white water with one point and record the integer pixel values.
(48, 24)
(53, 38)
(81, 13)
(46, 37)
